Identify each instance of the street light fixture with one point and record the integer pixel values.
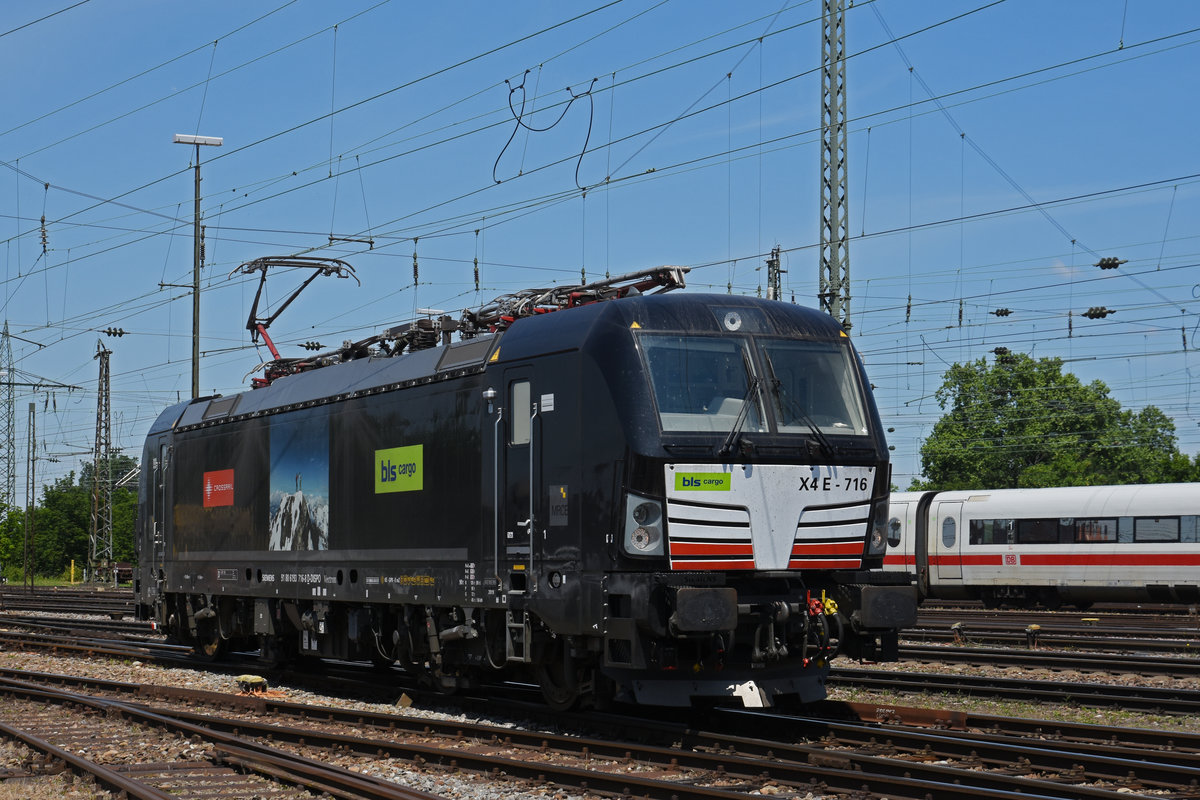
(211, 141)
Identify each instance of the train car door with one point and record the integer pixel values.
(159, 513)
(519, 463)
(946, 540)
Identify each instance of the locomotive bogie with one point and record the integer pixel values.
(533, 503)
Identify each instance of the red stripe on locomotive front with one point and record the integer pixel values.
(830, 563)
(689, 565)
(711, 549)
(827, 548)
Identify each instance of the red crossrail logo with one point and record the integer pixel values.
(218, 488)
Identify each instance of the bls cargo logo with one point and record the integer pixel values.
(702, 482)
(400, 469)
(218, 488)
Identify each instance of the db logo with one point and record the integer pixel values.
(1010, 559)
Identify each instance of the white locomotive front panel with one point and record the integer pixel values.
(767, 516)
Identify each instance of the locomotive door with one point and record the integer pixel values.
(947, 540)
(518, 518)
(158, 514)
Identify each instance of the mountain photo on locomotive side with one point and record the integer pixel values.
(612, 490)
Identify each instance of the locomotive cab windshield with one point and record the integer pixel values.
(705, 383)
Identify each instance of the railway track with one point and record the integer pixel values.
(834, 759)
(1056, 660)
(119, 627)
(1150, 699)
(115, 603)
(1000, 757)
(140, 754)
(1140, 698)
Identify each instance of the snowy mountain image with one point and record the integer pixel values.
(299, 508)
(299, 522)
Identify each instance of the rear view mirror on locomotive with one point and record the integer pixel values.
(654, 497)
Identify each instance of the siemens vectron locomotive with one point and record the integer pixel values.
(610, 490)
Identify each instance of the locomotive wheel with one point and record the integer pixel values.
(208, 646)
(557, 676)
(380, 659)
(434, 680)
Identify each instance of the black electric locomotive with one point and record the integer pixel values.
(612, 491)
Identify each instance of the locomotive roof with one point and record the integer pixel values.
(677, 312)
(526, 338)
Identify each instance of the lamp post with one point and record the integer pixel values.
(213, 141)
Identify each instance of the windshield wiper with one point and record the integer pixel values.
(794, 406)
(826, 446)
(743, 413)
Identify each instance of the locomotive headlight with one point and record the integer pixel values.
(645, 538)
(643, 527)
(645, 512)
(877, 542)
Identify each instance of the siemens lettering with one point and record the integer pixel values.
(399, 469)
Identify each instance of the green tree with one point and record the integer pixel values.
(1022, 422)
(12, 543)
(63, 525)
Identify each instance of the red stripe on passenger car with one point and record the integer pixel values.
(993, 560)
(1110, 559)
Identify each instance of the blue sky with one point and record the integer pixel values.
(1063, 131)
(300, 455)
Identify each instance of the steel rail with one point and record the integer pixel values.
(1142, 698)
(722, 754)
(279, 765)
(1054, 659)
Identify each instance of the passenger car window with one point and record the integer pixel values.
(1156, 529)
(948, 532)
(894, 532)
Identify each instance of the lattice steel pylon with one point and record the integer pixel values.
(100, 550)
(834, 291)
(8, 421)
(775, 275)
(30, 495)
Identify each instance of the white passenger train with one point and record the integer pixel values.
(1074, 545)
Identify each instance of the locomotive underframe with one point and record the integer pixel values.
(667, 638)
